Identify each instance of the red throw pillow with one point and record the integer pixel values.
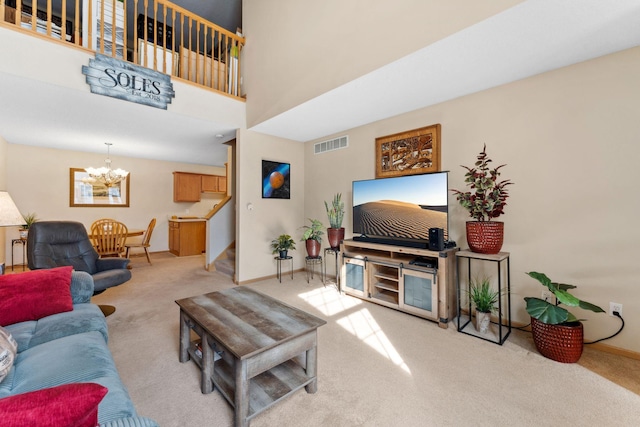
(34, 294)
(62, 406)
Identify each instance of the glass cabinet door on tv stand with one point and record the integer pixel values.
(353, 276)
(419, 291)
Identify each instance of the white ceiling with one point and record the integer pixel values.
(530, 38)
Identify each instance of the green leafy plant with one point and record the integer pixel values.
(335, 213)
(487, 196)
(553, 314)
(313, 231)
(284, 242)
(29, 219)
(484, 298)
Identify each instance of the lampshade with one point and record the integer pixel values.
(9, 213)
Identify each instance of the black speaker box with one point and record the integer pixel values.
(436, 239)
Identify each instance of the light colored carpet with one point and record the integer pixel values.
(376, 366)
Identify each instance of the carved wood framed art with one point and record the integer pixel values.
(408, 153)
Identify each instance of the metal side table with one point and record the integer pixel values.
(22, 242)
(279, 266)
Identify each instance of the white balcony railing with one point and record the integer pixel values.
(153, 33)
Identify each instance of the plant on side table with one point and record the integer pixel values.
(282, 245)
(557, 334)
(29, 219)
(485, 201)
(312, 237)
(484, 299)
(335, 213)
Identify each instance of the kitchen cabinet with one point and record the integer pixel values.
(187, 237)
(214, 184)
(188, 186)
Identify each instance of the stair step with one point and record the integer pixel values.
(225, 266)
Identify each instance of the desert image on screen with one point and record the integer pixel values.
(391, 218)
(402, 207)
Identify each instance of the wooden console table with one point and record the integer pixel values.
(267, 349)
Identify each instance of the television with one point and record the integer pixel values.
(401, 210)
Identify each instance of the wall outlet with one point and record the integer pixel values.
(547, 295)
(614, 306)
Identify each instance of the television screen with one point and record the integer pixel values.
(401, 208)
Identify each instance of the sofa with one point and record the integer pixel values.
(62, 361)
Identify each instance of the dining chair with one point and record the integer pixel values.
(144, 244)
(109, 236)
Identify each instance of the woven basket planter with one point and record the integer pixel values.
(485, 237)
(562, 343)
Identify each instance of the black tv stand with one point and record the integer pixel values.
(395, 241)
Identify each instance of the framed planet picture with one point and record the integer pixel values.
(275, 180)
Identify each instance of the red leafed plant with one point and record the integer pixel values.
(487, 196)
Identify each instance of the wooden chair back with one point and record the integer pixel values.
(147, 234)
(110, 237)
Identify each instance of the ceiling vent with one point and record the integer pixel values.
(331, 144)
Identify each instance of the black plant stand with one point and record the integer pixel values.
(503, 324)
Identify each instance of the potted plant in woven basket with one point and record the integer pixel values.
(335, 213)
(484, 201)
(557, 334)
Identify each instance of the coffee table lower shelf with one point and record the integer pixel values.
(265, 390)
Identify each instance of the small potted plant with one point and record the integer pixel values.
(485, 201)
(484, 299)
(282, 245)
(29, 219)
(312, 237)
(557, 334)
(335, 213)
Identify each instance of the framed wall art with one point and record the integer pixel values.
(408, 153)
(87, 192)
(276, 178)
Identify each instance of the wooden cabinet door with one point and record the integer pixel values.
(186, 187)
(209, 184)
(214, 184)
(174, 238)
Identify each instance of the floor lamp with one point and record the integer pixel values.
(10, 216)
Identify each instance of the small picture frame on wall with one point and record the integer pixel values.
(276, 180)
(86, 192)
(408, 153)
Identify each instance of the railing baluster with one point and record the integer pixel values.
(114, 29)
(135, 58)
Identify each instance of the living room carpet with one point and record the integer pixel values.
(376, 366)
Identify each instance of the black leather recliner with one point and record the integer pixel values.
(58, 243)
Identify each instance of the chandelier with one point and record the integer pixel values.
(105, 175)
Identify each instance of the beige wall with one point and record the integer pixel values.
(3, 187)
(569, 139)
(268, 218)
(297, 50)
(38, 181)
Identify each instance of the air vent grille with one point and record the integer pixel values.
(331, 145)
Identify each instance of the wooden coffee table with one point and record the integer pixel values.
(255, 349)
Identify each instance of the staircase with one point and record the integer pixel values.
(226, 262)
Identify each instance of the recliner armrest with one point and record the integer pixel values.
(103, 264)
